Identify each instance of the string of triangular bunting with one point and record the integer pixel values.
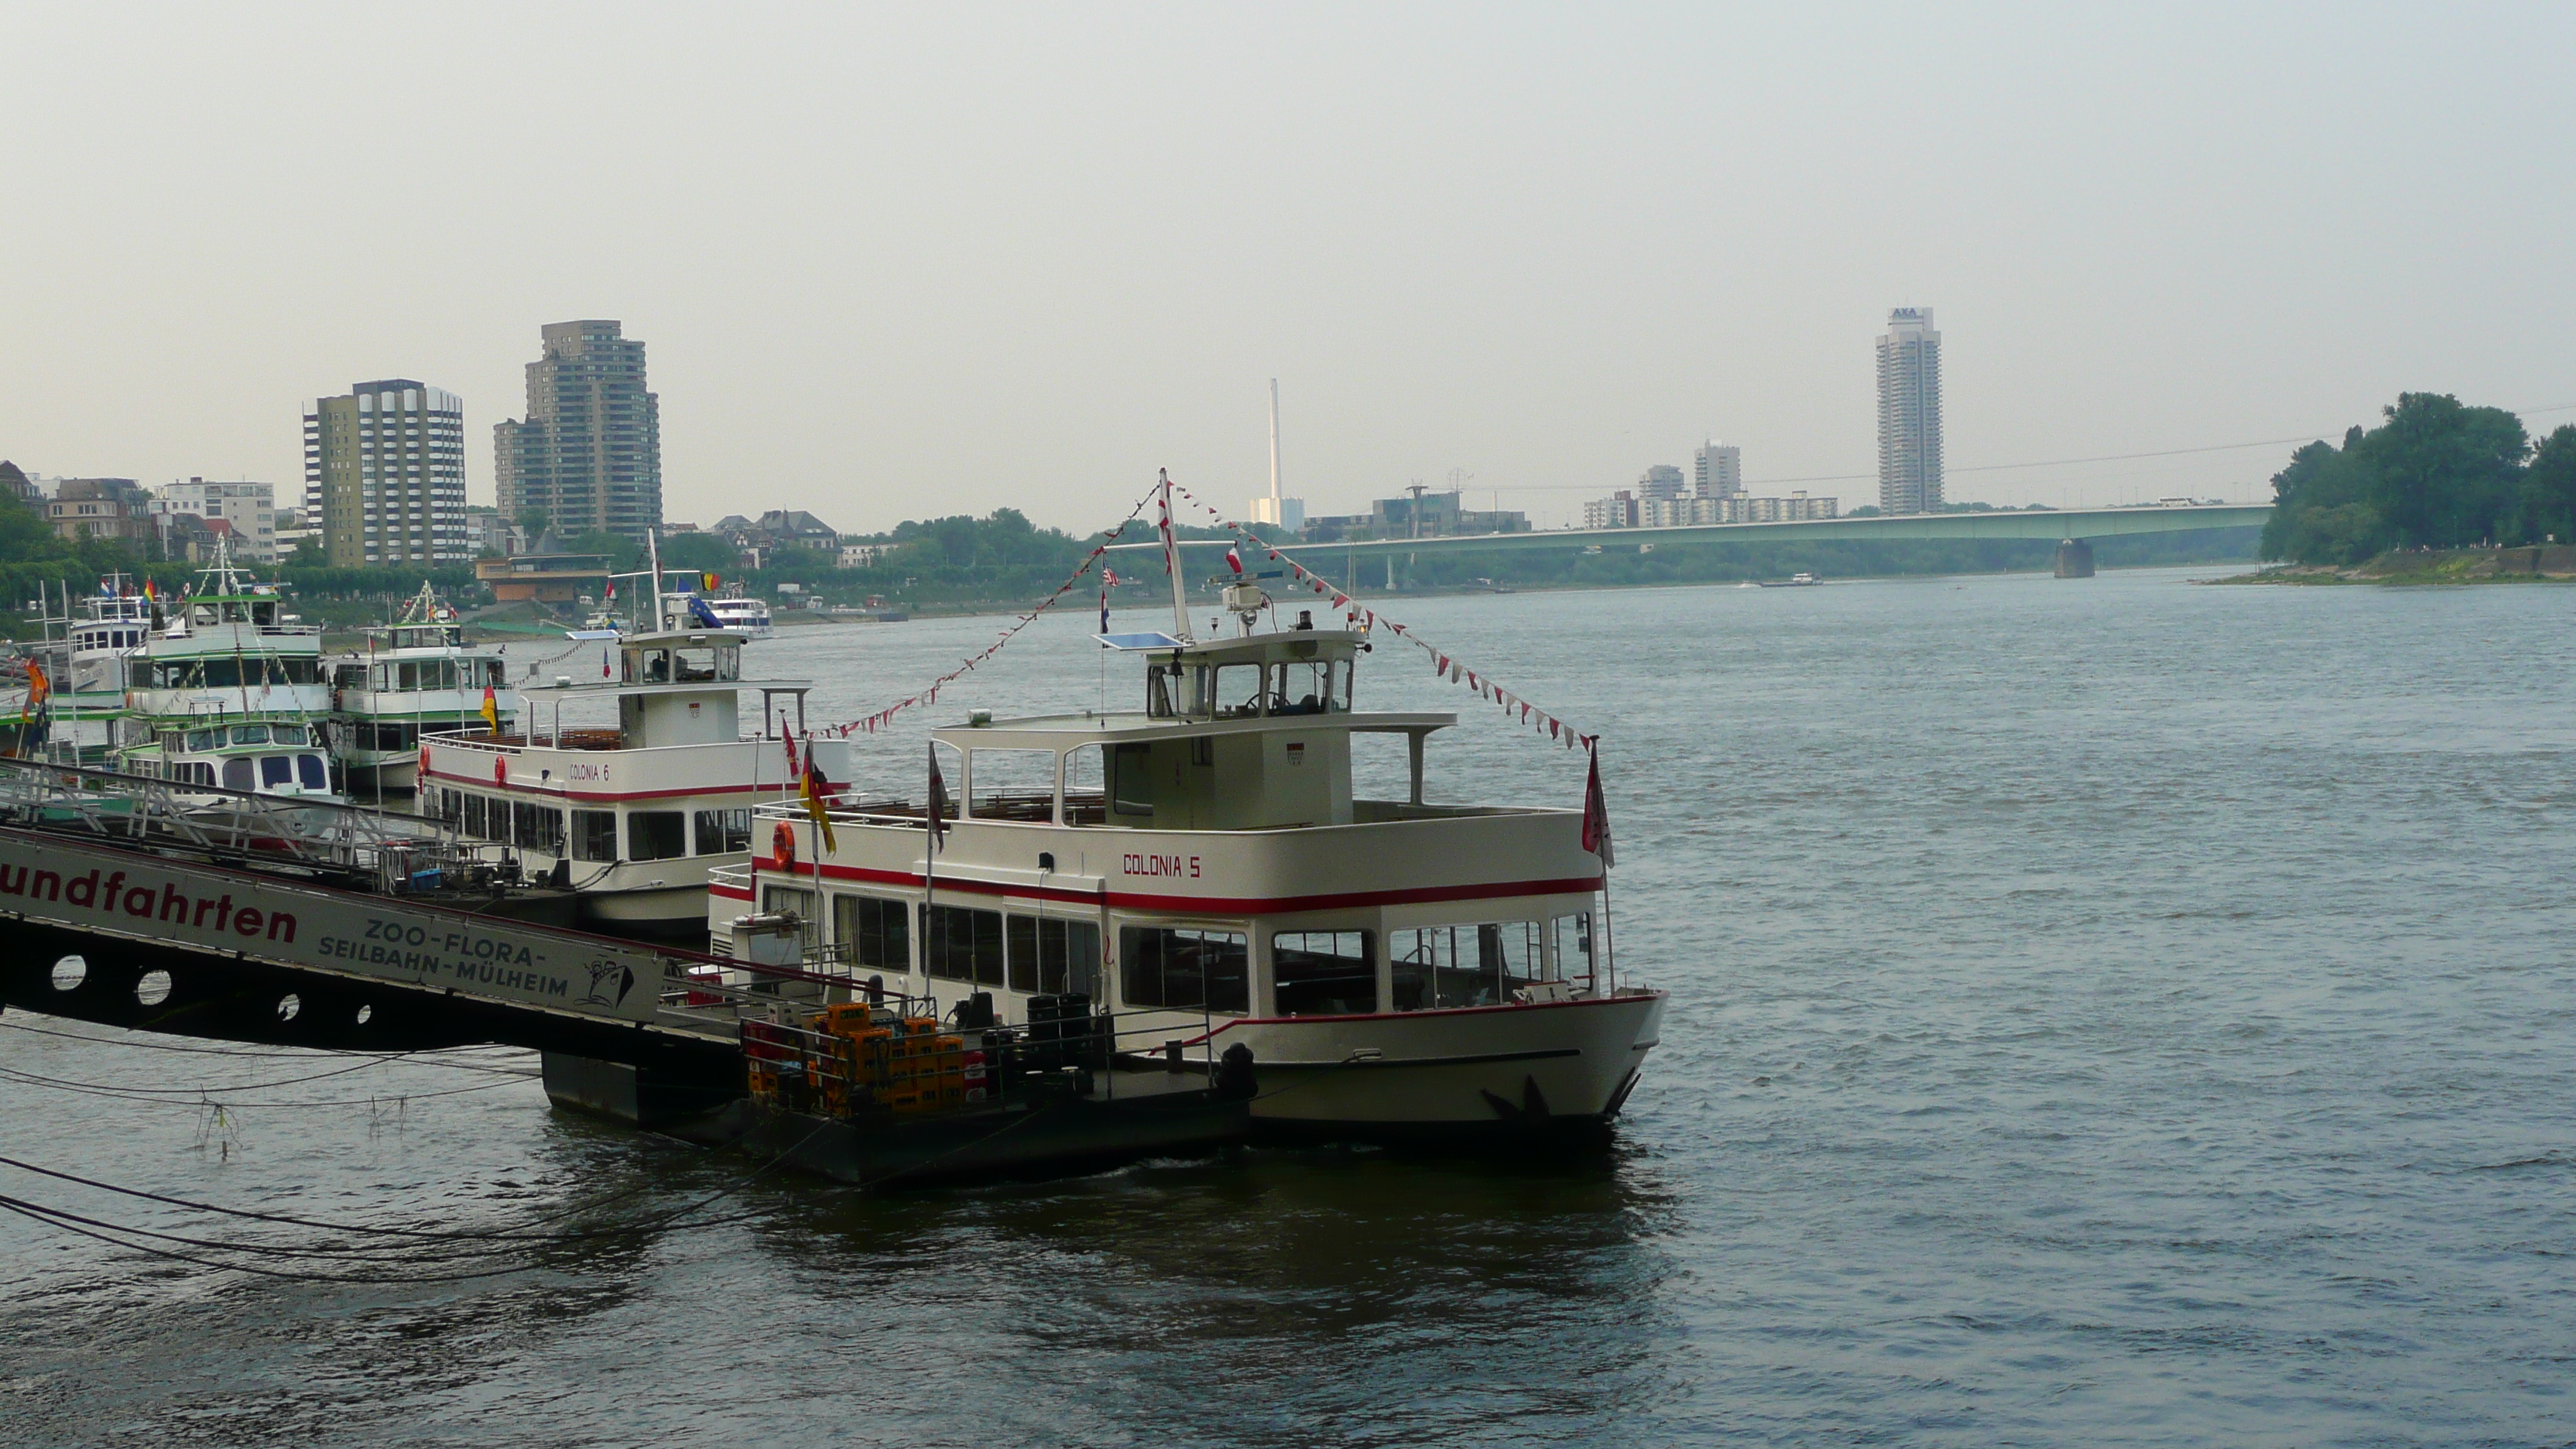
(1514, 707)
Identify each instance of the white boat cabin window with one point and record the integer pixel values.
(793, 901)
(1479, 965)
(1323, 973)
(1187, 970)
(1310, 686)
(240, 773)
(1237, 694)
(594, 835)
(1086, 786)
(1573, 947)
(656, 834)
(723, 832)
(959, 943)
(1011, 785)
(871, 931)
(1050, 955)
(536, 827)
(470, 816)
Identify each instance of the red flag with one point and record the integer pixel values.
(1234, 560)
(1596, 816)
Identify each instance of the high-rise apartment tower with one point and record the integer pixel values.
(1718, 470)
(589, 454)
(384, 475)
(1909, 413)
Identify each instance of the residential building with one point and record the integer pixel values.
(15, 483)
(1717, 470)
(1619, 510)
(114, 508)
(589, 453)
(251, 509)
(778, 528)
(1909, 413)
(384, 475)
(862, 555)
(1660, 481)
(486, 531)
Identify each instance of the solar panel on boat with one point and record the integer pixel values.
(1138, 641)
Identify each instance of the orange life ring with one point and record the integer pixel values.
(782, 842)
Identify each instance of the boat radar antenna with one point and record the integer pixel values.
(1172, 562)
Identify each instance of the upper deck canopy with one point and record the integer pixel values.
(671, 661)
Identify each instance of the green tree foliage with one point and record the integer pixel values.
(2549, 488)
(704, 552)
(624, 554)
(2435, 473)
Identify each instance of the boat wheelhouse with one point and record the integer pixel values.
(417, 677)
(631, 788)
(84, 656)
(1203, 870)
(229, 692)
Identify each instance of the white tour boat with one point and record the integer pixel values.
(1200, 869)
(85, 668)
(417, 677)
(229, 692)
(630, 788)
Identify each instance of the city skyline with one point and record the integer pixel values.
(858, 287)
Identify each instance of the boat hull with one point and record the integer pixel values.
(1449, 1077)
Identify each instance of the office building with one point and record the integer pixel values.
(589, 453)
(384, 475)
(1909, 413)
(1717, 470)
(1660, 481)
(250, 509)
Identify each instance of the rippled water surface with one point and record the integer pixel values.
(2114, 1011)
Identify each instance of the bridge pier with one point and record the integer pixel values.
(2074, 559)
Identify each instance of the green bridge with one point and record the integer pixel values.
(2072, 529)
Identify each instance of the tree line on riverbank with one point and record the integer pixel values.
(2435, 473)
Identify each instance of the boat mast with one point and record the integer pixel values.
(1172, 561)
(653, 553)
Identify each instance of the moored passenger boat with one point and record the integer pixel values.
(417, 677)
(229, 693)
(629, 789)
(1201, 868)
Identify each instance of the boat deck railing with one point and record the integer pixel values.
(273, 830)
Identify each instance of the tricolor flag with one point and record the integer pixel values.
(938, 804)
(712, 580)
(1234, 560)
(491, 710)
(815, 789)
(147, 590)
(612, 591)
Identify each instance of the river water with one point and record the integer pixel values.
(2108, 1011)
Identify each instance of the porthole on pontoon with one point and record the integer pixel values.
(153, 989)
(366, 1014)
(288, 1005)
(70, 972)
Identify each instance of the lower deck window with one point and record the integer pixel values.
(1323, 973)
(536, 827)
(656, 834)
(1051, 955)
(594, 835)
(960, 943)
(1479, 965)
(870, 931)
(723, 832)
(1185, 969)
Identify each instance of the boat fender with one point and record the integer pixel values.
(1234, 1080)
(782, 843)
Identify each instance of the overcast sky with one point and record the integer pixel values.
(908, 262)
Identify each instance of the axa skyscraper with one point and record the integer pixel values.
(1909, 413)
(589, 453)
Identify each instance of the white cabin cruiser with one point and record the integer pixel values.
(85, 668)
(417, 677)
(1200, 868)
(229, 693)
(648, 785)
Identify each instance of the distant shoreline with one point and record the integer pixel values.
(2424, 568)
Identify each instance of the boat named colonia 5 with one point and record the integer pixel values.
(1200, 866)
